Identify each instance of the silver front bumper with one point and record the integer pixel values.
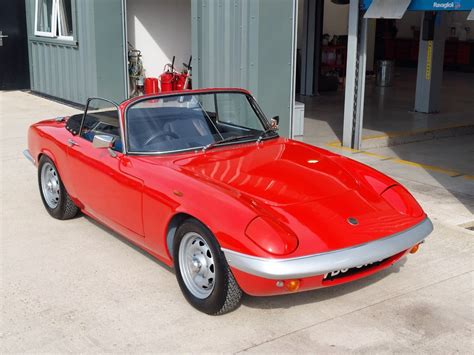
(320, 264)
(28, 156)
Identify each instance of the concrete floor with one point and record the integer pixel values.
(75, 286)
(388, 110)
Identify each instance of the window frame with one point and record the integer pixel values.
(56, 30)
(252, 102)
(60, 35)
(120, 119)
(50, 34)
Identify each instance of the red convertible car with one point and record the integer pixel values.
(202, 181)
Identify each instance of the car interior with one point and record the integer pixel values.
(159, 129)
(174, 128)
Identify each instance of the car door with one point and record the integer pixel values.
(102, 178)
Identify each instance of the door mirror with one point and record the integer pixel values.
(102, 141)
(275, 121)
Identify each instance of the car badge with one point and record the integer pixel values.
(352, 221)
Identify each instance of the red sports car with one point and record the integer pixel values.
(202, 181)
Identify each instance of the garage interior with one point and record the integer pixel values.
(389, 117)
(160, 30)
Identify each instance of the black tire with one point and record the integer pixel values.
(65, 207)
(226, 294)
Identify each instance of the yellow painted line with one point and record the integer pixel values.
(378, 156)
(411, 132)
(337, 144)
(334, 143)
(428, 167)
(429, 59)
(395, 134)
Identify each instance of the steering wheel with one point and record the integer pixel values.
(159, 136)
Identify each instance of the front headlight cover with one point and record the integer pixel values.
(271, 236)
(402, 201)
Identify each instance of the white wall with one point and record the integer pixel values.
(160, 29)
(336, 18)
(456, 19)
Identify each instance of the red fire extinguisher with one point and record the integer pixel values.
(183, 79)
(167, 78)
(151, 86)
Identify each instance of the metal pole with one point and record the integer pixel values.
(430, 66)
(362, 54)
(350, 101)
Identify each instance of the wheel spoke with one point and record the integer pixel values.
(50, 186)
(196, 265)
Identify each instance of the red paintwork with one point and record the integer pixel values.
(305, 191)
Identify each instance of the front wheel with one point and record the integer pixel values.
(55, 198)
(202, 270)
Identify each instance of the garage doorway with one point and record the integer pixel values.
(160, 30)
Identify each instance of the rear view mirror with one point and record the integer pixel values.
(275, 121)
(102, 141)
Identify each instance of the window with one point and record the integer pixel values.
(191, 121)
(53, 18)
(44, 18)
(102, 117)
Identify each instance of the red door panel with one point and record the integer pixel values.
(105, 185)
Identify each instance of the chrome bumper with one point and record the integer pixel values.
(320, 264)
(28, 156)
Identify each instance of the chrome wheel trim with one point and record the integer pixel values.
(196, 264)
(50, 185)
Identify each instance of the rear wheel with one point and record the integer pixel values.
(202, 270)
(55, 198)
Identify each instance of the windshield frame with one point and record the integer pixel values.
(251, 100)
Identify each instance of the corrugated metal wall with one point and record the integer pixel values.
(248, 44)
(93, 66)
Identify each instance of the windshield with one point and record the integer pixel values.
(189, 121)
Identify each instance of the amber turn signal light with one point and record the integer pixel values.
(292, 285)
(414, 249)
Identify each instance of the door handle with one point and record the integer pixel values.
(2, 36)
(72, 143)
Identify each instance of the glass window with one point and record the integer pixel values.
(44, 17)
(65, 19)
(190, 121)
(235, 110)
(54, 19)
(102, 118)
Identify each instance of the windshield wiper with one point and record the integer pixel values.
(265, 133)
(226, 140)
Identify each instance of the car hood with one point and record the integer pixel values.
(277, 173)
(306, 188)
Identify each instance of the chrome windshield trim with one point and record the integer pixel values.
(199, 148)
(252, 102)
(320, 264)
(28, 156)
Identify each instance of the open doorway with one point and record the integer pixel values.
(159, 30)
(388, 110)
